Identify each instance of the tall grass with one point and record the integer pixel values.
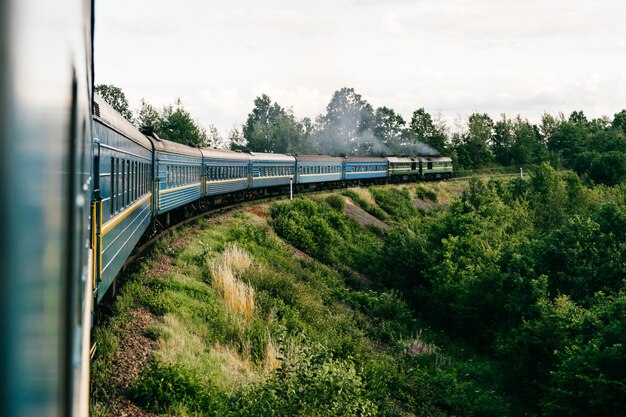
(238, 295)
(237, 260)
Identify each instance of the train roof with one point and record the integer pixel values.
(434, 158)
(105, 114)
(401, 159)
(162, 145)
(318, 158)
(225, 154)
(260, 156)
(365, 159)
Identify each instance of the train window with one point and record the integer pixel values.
(430, 165)
(124, 184)
(135, 179)
(112, 191)
(127, 189)
(139, 179)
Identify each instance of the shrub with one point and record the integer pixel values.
(394, 201)
(336, 202)
(424, 194)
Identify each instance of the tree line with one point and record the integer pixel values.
(594, 148)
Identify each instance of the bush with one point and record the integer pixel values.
(424, 194)
(160, 387)
(394, 201)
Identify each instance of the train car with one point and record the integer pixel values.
(45, 191)
(435, 167)
(177, 174)
(364, 168)
(318, 168)
(403, 168)
(122, 191)
(224, 171)
(271, 170)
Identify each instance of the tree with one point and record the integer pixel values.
(619, 121)
(214, 138)
(389, 129)
(177, 125)
(502, 141)
(472, 146)
(346, 128)
(148, 118)
(116, 98)
(271, 128)
(527, 147)
(424, 129)
(236, 140)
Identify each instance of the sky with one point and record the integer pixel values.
(451, 57)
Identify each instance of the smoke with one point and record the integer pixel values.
(418, 148)
(345, 135)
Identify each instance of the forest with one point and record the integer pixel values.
(595, 149)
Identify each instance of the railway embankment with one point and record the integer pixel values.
(416, 299)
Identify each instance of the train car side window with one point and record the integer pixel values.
(123, 189)
(128, 183)
(112, 190)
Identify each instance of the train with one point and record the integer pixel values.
(80, 186)
(143, 180)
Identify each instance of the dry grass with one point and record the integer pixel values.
(238, 296)
(237, 260)
(271, 355)
(180, 345)
(365, 195)
(234, 368)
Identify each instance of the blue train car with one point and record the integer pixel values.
(364, 168)
(177, 173)
(45, 184)
(318, 168)
(123, 178)
(225, 171)
(271, 170)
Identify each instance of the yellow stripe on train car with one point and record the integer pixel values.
(110, 225)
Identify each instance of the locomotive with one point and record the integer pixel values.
(80, 186)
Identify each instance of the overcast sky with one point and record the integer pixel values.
(451, 56)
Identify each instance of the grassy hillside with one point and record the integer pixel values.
(479, 298)
(237, 322)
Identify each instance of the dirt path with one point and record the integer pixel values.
(362, 217)
(134, 352)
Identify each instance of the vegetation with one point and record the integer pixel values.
(508, 299)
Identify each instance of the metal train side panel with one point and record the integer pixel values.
(225, 171)
(271, 170)
(365, 168)
(318, 168)
(125, 191)
(45, 133)
(179, 180)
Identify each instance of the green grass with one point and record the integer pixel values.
(319, 340)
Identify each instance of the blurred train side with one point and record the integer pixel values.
(45, 159)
